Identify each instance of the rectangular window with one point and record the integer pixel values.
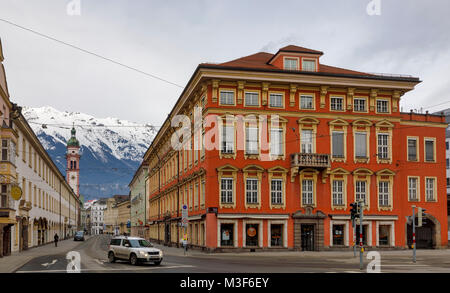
(338, 192)
(338, 144)
(429, 189)
(226, 97)
(446, 145)
(8, 151)
(4, 203)
(226, 234)
(360, 194)
(383, 146)
(429, 150)
(383, 193)
(276, 100)
(307, 192)
(307, 141)
(252, 191)
(412, 188)
(359, 105)
(382, 106)
(338, 234)
(306, 102)
(308, 65)
(251, 140)
(337, 103)
(360, 145)
(252, 235)
(276, 141)
(412, 149)
(226, 195)
(383, 234)
(251, 99)
(276, 191)
(276, 235)
(447, 163)
(290, 64)
(227, 139)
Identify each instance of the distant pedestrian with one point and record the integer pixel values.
(56, 237)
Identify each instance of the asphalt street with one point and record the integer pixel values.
(93, 255)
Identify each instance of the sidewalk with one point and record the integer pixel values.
(9, 264)
(295, 253)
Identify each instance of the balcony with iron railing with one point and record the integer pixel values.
(299, 161)
(309, 160)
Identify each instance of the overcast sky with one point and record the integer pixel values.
(170, 38)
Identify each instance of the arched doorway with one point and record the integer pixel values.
(427, 236)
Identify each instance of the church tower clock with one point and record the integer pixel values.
(73, 162)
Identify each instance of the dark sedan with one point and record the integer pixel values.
(79, 236)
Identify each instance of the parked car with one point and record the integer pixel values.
(79, 236)
(133, 249)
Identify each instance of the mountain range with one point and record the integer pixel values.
(111, 148)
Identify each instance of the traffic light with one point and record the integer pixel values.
(420, 216)
(354, 210)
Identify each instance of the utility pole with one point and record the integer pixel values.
(361, 251)
(414, 233)
(354, 237)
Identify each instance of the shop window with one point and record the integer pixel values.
(338, 234)
(276, 235)
(251, 232)
(226, 234)
(383, 234)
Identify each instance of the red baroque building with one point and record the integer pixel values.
(296, 141)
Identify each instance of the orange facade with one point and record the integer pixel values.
(326, 138)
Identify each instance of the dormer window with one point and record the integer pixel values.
(308, 65)
(290, 63)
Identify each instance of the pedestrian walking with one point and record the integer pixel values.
(56, 239)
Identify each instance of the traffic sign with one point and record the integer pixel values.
(184, 216)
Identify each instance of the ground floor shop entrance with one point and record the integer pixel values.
(309, 230)
(307, 237)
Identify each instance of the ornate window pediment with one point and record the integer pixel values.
(227, 168)
(385, 172)
(338, 122)
(362, 123)
(362, 172)
(384, 123)
(339, 171)
(277, 169)
(308, 120)
(253, 168)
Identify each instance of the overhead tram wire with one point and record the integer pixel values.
(90, 53)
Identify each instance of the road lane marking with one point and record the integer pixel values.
(49, 264)
(106, 269)
(100, 262)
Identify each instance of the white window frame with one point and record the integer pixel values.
(228, 192)
(338, 192)
(251, 104)
(333, 105)
(281, 105)
(295, 59)
(221, 101)
(251, 193)
(276, 193)
(302, 98)
(307, 192)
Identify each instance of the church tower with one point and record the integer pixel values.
(73, 162)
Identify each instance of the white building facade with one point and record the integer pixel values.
(98, 208)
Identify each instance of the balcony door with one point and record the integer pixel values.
(307, 141)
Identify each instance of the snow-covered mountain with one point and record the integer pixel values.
(112, 149)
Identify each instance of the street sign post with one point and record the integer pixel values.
(184, 223)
